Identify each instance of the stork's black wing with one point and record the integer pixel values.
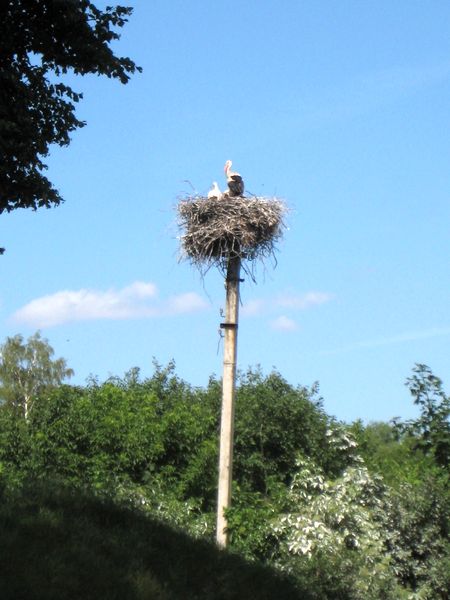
(236, 185)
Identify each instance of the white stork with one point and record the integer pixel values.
(215, 192)
(234, 180)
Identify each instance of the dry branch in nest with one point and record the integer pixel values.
(214, 229)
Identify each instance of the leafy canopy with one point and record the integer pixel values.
(431, 430)
(349, 519)
(42, 40)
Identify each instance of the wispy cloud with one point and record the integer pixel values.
(407, 336)
(136, 301)
(253, 307)
(398, 80)
(290, 301)
(375, 90)
(287, 300)
(184, 303)
(303, 301)
(283, 323)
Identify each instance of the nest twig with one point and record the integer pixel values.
(213, 230)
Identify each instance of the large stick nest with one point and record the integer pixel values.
(215, 229)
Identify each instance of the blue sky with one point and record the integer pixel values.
(339, 108)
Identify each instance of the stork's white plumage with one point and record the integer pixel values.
(234, 180)
(215, 192)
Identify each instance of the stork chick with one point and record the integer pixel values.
(215, 192)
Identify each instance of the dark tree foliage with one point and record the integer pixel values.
(431, 430)
(40, 41)
(152, 445)
(275, 423)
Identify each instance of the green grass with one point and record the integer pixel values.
(62, 545)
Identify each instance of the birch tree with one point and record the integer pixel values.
(27, 369)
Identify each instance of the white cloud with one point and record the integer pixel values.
(253, 307)
(283, 323)
(135, 301)
(140, 289)
(288, 300)
(303, 301)
(184, 303)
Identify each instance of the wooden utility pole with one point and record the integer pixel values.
(228, 390)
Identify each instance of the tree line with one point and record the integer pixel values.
(349, 510)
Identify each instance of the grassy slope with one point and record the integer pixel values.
(61, 546)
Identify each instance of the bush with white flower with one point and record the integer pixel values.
(338, 524)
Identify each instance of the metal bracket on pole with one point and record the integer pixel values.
(228, 325)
